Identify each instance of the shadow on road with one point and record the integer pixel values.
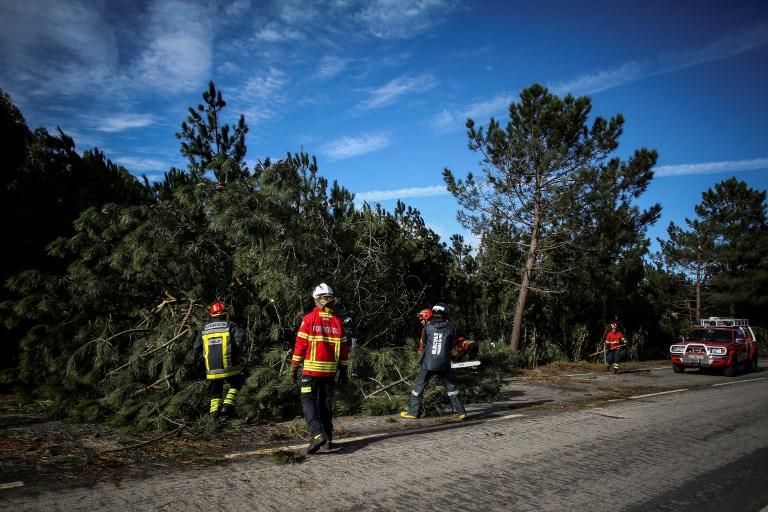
(489, 411)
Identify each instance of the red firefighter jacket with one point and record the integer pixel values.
(461, 348)
(614, 339)
(320, 344)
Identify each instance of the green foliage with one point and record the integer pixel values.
(113, 321)
(723, 250)
(116, 275)
(555, 215)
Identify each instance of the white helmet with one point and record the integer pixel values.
(322, 289)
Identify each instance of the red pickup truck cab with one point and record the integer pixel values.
(726, 344)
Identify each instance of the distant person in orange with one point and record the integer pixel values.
(465, 347)
(614, 340)
(424, 315)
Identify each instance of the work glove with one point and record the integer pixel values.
(343, 377)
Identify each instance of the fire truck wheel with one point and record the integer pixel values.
(732, 369)
(677, 368)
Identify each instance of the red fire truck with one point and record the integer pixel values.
(727, 344)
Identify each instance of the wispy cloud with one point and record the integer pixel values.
(400, 86)
(120, 122)
(449, 120)
(452, 120)
(401, 193)
(348, 147)
(276, 33)
(237, 8)
(143, 165)
(331, 66)
(633, 71)
(399, 19)
(50, 47)
(711, 167)
(591, 83)
(178, 54)
(257, 98)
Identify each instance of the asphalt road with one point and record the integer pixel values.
(699, 442)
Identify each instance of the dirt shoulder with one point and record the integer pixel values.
(39, 456)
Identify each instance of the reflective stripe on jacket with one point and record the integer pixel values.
(321, 346)
(219, 341)
(614, 338)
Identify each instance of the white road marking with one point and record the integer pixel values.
(11, 485)
(739, 382)
(656, 394)
(507, 417)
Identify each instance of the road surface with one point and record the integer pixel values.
(699, 443)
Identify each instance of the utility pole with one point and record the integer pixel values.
(698, 282)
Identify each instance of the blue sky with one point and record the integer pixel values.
(379, 90)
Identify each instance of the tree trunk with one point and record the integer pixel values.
(522, 297)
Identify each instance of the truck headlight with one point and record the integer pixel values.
(677, 349)
(717, 351)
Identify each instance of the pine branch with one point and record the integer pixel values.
(149, 441)
(145, 354)
(385, 388)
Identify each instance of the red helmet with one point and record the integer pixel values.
(217, 309)
(424, 315)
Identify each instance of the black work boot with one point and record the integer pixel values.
(225, 414)
(316, 442)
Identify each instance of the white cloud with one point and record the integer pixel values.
(452, 120)
(237, 8)
(401, 193)
(178, 54)
(400, 19)
(274, 33)
(446, 121)
(633, 71)
(51, 47)
(590, 83)
(228, 68)
(258, 97)
(603, 80)
(396, 88)
(122, 122)
(711, 167)
(143, 165)
(348, 147)
(331, 66)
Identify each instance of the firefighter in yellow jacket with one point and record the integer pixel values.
(218, 346)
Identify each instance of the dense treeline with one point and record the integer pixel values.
(112, 275)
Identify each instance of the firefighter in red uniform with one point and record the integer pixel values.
(465, 347)
(424, 315)
(321, 347)
(614, 340)
(218, 346)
